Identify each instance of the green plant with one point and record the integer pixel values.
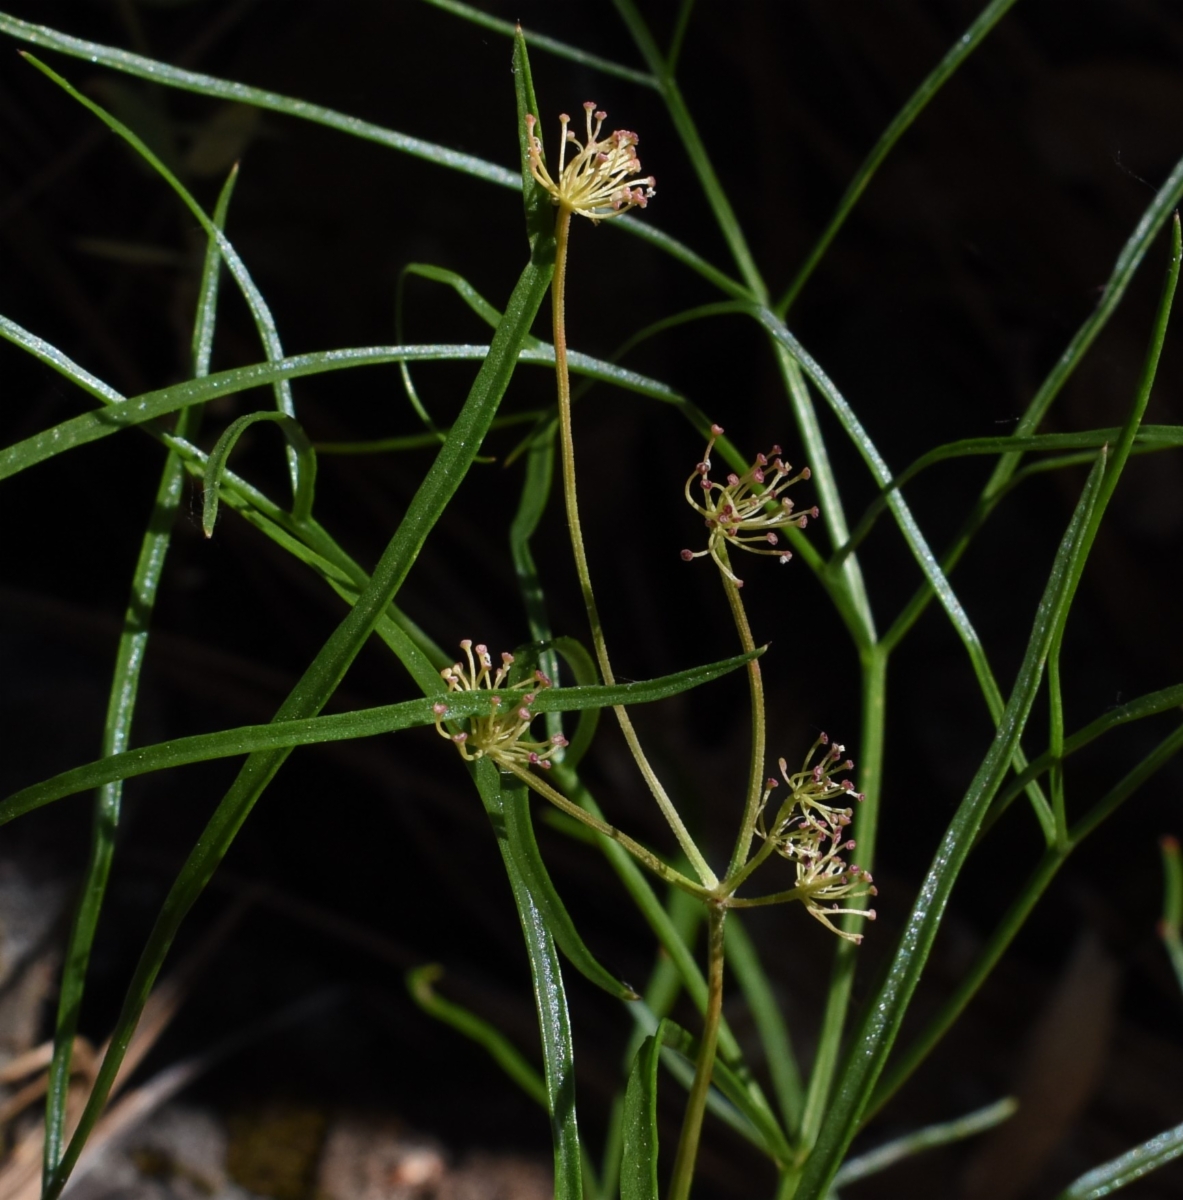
(807, 1128)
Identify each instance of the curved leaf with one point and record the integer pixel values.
(421, 984)
(1130, 1167)
(216, 465)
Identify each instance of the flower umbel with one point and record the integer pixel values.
(499, 734)
(597, 182)
(809, 830)
(741, 511)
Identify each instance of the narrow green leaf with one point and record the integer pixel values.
(121, 704)
(527, 858)
(421, 984)
(932, 83)
(208, 85)
(1156, 214)
(324, 675)
(885, 1012)
(917, 543)
(638, 1167)
(770, 1023)
(1015, 919)
(1134, 710)
(224, 89)
(122, 413)
(695, 149)
(550, 998)
(531, 506)
(768, 1134)
(1148, 438)
(541, 42)
(260, 312)
(293, 432)
(1117, 458)
(931, 1136)
(283, 735)
(1130, 1167)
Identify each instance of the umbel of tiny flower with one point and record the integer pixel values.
(748, 509)
(499, 735)
(809, 830)
(598, 182)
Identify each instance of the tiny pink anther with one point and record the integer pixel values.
(716, 430)
(439, 709)
(687, 556)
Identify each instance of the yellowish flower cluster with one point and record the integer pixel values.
(597, 183)
(499, 735)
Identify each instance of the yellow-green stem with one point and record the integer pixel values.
(743, 843)
(566, 441)
(683, 1175)
(646, 857)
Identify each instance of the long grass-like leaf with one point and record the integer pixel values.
(323, 676)
(904, 1065)
(695, 148)
(1129, 1168)
(208, 85)
(527, 859)
(1118, 456)
(638, 1166)
(1153, 218)
(283, 735)
(917, 102)
(905, 1147)
(1148, 439)
(137, 410)
(121, 705)
(260, 312)
(224, 89)
(550, 998)
(541, 42)
(885, 1012)
(744, 960)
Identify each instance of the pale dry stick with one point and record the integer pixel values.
(21, 1169)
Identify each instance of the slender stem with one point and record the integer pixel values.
(683, 1175)
(645, 857)
(743, 843)
(735, 880)
(567, 442)
(871, 747)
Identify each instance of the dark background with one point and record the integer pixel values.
(979, 248)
